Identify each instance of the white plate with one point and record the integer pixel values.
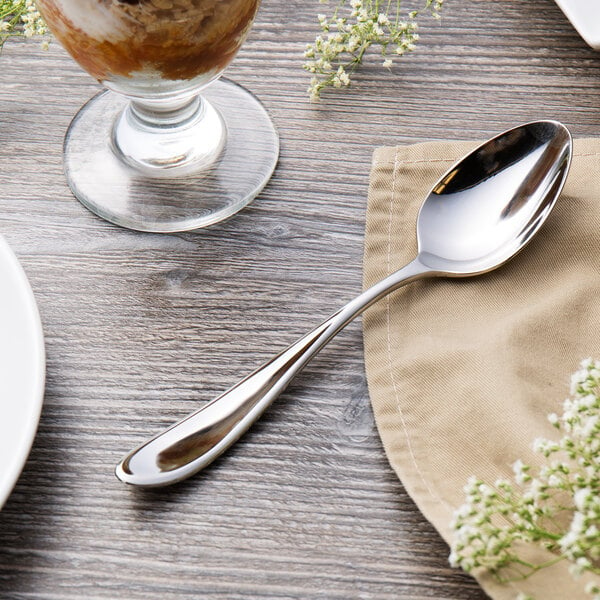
(22, 369)
(585, 17)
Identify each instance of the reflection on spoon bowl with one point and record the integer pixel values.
(487, 207)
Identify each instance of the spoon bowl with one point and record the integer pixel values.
(482, 212)
(489, 205)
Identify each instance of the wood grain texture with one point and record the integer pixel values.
(141, 328)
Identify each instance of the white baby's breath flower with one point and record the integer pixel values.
(352, 30)
(592, 588)
(453, 559)
(20, 18)
(520, 471)
(488, 525)
(554, 481)
(362, 15)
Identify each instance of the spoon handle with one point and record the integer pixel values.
(191, 444)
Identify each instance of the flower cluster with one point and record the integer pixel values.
(339, 49)
(20, 17)
(556, 506)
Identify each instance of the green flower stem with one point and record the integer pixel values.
(531, 568)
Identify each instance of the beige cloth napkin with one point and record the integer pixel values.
(462, 373)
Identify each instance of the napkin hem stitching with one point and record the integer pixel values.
(436, 160)
(396, 165)
(414, 162)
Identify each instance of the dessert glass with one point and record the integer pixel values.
(150, 152)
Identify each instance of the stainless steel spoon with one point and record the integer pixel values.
(479, 215)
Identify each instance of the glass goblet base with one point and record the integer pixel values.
(139, 197)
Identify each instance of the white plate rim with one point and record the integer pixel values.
(585, 17)
(22, 374)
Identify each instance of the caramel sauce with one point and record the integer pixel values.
(179, 39)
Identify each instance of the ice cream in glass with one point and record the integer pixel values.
(168, 146)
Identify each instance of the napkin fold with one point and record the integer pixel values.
(462, 373)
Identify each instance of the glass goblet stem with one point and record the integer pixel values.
(169, 137)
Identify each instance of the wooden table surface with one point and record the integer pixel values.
(141, 328)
